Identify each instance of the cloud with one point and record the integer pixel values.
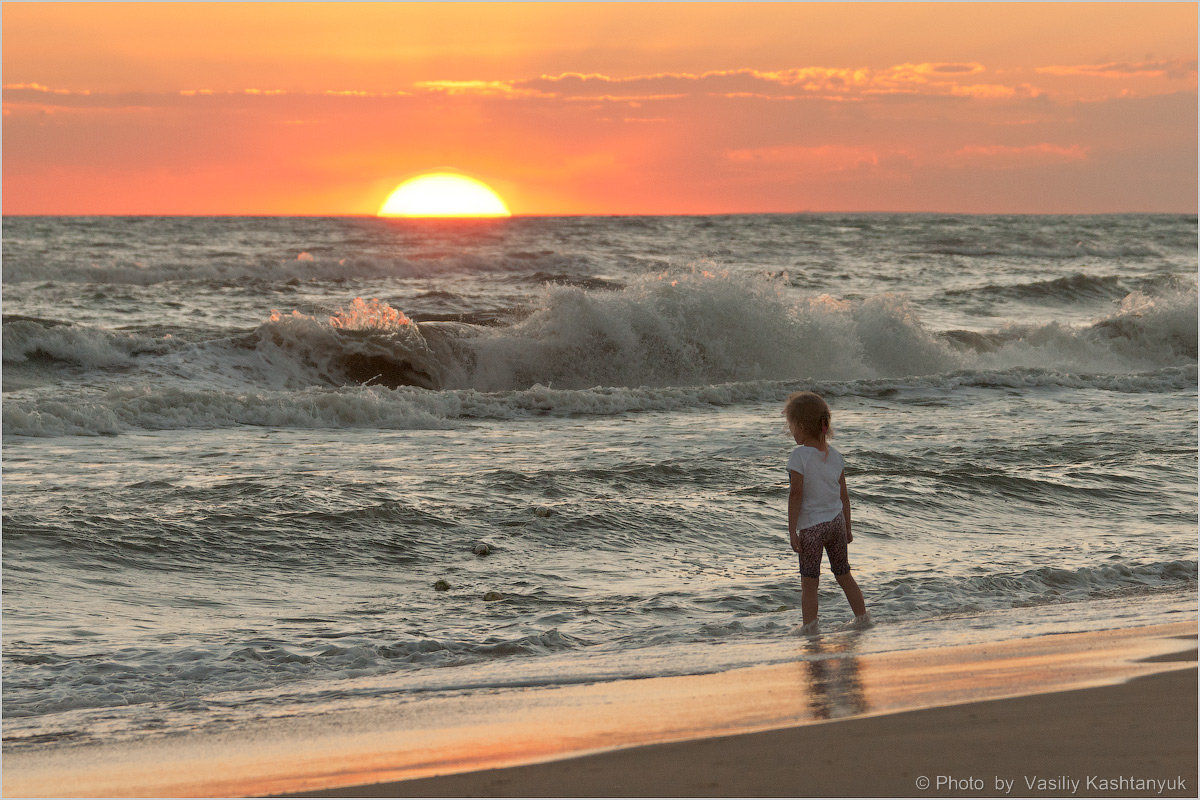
(485, 88)
(993, 91)
(1006, 156)
(922, 72)
(41, 89)
(951, 68)
(983, 90)
(1177, 70)
(836, 83)
(822, 158)
(634, 99)
(833, 84)
(42, 98)
(754, 96)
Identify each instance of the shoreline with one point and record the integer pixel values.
(1031, 746)
(1066, 741)
(553, 735)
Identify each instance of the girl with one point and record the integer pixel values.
(819, 507)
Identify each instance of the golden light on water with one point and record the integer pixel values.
(444, 194)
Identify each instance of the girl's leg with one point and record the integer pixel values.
(811, 547)
(839, 564)
(808, 598)
(853, 594)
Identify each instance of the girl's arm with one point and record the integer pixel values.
(795, 498)
(846, 507)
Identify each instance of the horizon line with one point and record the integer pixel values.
(805, 212)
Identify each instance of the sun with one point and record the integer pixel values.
(443, 194)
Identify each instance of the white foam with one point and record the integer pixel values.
(697, 327)
(148, 407)
(87, 347)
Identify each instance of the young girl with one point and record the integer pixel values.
(819, 507)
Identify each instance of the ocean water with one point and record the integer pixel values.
(239, 453)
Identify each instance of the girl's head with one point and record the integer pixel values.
(808, 419)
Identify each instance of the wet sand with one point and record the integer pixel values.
(1082, 743)
(1100, 705)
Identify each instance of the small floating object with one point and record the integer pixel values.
(783, 608)
(441, 586)
(543, 511)
(481, 549)
(490, 596)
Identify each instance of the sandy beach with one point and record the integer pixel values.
(1134, 739)
(1110, 707)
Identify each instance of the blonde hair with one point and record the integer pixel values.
(809, 413)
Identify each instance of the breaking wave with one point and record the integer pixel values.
(30, 339)
(702, 329)
(661, 343)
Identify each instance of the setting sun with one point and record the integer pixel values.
(443, 194)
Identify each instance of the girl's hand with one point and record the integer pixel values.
(849, 536)
(795, 540)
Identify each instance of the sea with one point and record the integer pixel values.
(270, 468)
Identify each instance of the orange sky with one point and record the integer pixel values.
(574, 108)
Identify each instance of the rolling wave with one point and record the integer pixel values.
(143, 407)
(700, 329)
(1075, 288)
(32, 339)
(662, 343)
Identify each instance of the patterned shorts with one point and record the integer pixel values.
(829, 535)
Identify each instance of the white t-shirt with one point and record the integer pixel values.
(822, 484)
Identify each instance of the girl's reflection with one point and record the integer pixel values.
(834, 684)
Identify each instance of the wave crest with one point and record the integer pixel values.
(28, 339)
(1074, 288)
